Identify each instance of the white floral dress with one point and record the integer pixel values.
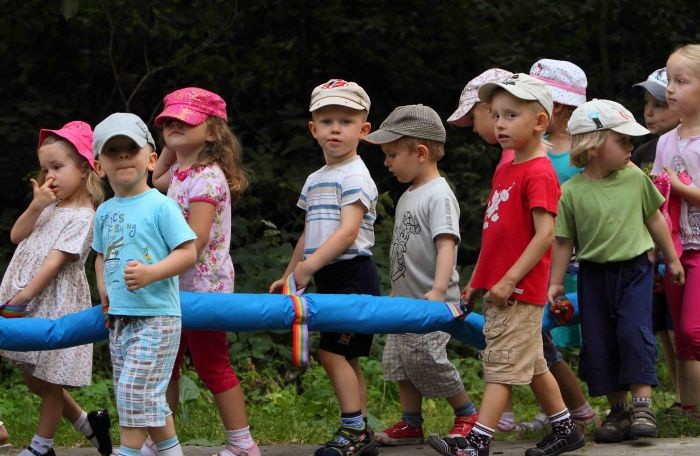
(68, 230)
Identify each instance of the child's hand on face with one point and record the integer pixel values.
(43, 195)
(137, 275)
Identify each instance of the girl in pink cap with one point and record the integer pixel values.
(46, 278)
(200, 168)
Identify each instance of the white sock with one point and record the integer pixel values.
(149, 447)
(82, 425)
(40, 444)
(241, 438)
(169, 447)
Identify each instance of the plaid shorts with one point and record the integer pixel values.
(143, 352)
(422, 360)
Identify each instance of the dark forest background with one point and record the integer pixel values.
(71, 59)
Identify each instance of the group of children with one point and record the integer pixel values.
(149, 246)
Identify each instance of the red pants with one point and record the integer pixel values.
(209, 354)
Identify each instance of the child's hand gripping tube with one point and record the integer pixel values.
(562, 309)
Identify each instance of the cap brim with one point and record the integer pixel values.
(657, 91)
(140, 141)
(382, 137)
(631, 129)
(460, 117)
(336, 101)
(182, 113)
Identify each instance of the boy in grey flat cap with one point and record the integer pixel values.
(423, 257)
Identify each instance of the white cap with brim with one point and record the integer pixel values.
(338, 92)
(522, 86)
(656, 84)
(597, 115)
(121, 124)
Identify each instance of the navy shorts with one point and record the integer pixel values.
(619, 347)
(356, 276)
(551, 353)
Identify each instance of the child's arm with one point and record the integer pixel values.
(138, 275)
(444, 265)
(48, 271)
(43, 197)
(201, 219)
(161, 173)
(297, 256)
(350, 218)
(101, 289)
(561, 254)
(536, 248)
(678, 188)
(662, 238)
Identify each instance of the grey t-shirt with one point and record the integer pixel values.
(421, 215)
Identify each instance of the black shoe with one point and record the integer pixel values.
(51, 452)
(555, 444)
(615, 426)
(99, 422)
(350, 442)
(458, 446)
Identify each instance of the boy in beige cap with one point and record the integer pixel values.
(335, 248)
(513, 271)
(423, 257)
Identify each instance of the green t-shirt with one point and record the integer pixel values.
(605, 217)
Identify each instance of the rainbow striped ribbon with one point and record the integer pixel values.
(12, 311)
(300, 330)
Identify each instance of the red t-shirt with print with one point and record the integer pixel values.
(508, 227)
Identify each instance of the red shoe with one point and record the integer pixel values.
(400, 434)
(463, 425)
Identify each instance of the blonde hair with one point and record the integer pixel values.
(690, 52)
(92, 186)
(436, 149)
(227, 152)
(583, 143)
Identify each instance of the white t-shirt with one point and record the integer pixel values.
(325, 192)
(421, 215)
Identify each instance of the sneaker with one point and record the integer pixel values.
(400, 433)
(642, 422)
(230, 450)
(463, 425)
(615, 426)
(349, 442)
(457, 446)
(100, 423)
(51, 452)
(555, 444)
(536, 424)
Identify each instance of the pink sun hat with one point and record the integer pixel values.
(192, 106)
(470, 95)
(78, 133)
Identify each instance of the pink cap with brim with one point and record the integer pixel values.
(78, 133)
(192, 106)
(470, 96)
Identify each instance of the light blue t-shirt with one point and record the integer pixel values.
(562, 165)
(144, 228)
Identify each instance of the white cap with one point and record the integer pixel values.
(656, 84)
(566, 80)
(470, 95)
(522, 86)
(598, 115)
(121, 124)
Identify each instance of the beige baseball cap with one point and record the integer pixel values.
(340, 93)
(522, 86)
(604, 115)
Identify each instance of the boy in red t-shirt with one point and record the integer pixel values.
(513, 271)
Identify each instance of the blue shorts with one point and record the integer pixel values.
(143, 353)
(619, 347)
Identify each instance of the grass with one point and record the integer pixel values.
(298, 408)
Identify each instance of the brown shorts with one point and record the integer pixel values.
(513, 353)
